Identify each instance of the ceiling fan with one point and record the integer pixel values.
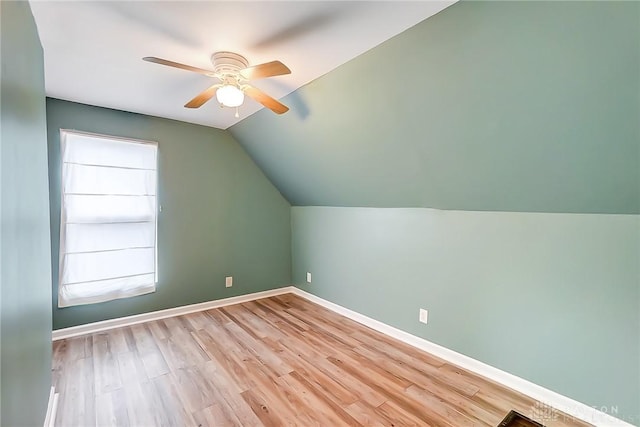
(234, 72)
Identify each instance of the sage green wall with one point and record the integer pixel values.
(553, 298)
(530, 108)
(25, 269)
(220, 215)
(499, 106)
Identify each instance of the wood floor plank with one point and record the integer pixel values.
(229, 393)
(240, 363)
(401, 350)
(463, 376)
(305, 404)
(437, 407)
(176, 326)
(142, 404)
(171, 399)
(362, 389)
(237, 318)
(105, 365)
(76, 405)
(283, 300)
(428, 380)
(197, 320)
(131, 367)
(325, 328)
(326, 343)
(227, 359)
(459, 402)
(143, 339)
(262, 408)
(318, 315)
(278, 361)
(159, 330)
(298, 404)
(111, 409)
(181, 351)
(313, 375)
(377, 381)
(58, 361)
(148, 351)
(154, 364)
(318, 398)
(216, 317)
(246, 317)
(421, 369)
(259, 351)
(283, 402)
(271, 308)
(214, 416)
(365, 415)
(398, 417)
(78, 347)
(370, 367)
(196, 391)
(117, 341)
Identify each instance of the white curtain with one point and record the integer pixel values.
(108, 219)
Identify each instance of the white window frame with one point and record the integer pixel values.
(62, 302)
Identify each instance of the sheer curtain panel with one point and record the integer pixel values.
(108, 219)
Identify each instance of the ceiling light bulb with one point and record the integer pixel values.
(230, 96)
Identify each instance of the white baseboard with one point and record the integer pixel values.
(104, 325)
(52, 408)
(565, 404)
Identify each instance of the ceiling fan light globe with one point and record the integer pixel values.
(230, 96)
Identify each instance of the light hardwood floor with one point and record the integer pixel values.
(277, 361)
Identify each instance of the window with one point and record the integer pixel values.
(108, 221)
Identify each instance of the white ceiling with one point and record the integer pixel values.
(93, 49)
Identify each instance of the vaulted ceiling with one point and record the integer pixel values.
(509, 106)
(501, 106)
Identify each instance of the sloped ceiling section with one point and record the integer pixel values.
(502, 106)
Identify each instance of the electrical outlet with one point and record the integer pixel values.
(308, 277)
(424, 315)
(228, 281)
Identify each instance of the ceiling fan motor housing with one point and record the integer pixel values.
(225, 63)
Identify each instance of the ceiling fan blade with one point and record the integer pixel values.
(264, 99)
(203, 97)
(268, 69)
(178, 65)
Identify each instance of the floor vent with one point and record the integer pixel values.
(515, 419)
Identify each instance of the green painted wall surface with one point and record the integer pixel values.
(499, 106)
(25, 269)
(220, 215)
(553, 298)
